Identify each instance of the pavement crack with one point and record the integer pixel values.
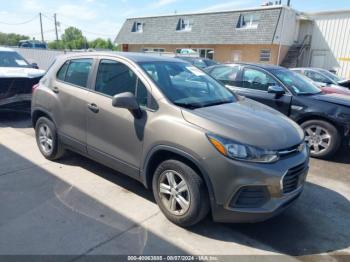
(22, 169)
(134, 225)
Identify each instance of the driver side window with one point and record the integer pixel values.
(257, 80)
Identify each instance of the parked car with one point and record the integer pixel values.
(177, 130)
(17, 77)
(198, 61)
(334, 89)
(323, 77)
(32, 44)
(324, 117)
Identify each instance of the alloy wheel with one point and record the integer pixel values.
(174, 192)
(318, 139)
(45, 139)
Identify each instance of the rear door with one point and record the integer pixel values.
(254, 83)
(71, 88)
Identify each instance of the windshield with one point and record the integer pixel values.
(300, 84)
(330, 75)
(186, 85)
(12, 59)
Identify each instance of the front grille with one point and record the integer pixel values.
(291, 180)
(250, 197)
(291, 150)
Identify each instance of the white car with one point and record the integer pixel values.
(17, 78)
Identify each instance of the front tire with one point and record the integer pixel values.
(47, 139)
(322, 137)
(180, 193)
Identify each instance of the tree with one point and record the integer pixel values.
(100, 43)
(11, 39)
(73, 39)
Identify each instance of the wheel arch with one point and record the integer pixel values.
(37, 113)
(161, 153)
(322, 118)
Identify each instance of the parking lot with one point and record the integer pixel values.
(77, 207)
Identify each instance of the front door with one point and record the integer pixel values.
(114, 135)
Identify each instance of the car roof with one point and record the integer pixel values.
(267, 67)
(133, 56)
(6, 49)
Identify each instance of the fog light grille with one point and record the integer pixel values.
(250, 197)
(291, 180)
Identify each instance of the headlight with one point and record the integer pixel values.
(242, 152)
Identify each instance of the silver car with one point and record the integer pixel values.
(178, 131)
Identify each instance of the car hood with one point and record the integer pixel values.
(338, 99)
(248, 122)
(346, 81)
(10, 72)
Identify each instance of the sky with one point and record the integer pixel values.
(104, 18)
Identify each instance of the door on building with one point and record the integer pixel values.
(236, 56)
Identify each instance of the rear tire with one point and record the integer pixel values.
(47, 139)
(184, 201)
(322, 137)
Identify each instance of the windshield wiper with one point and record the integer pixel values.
(188, 105)
(218, 103)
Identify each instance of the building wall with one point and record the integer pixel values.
(330, 47)
(225, 53)
(287, 31)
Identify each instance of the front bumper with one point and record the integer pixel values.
(228, 177)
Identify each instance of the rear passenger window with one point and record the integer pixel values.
(114, 78)
(75, 72)
(257, 80)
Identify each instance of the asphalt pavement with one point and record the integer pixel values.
(78, 207)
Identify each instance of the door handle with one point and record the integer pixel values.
(93, 107)
(55, 90)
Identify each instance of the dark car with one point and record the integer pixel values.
(198, 61)
(323, 77)
(17, 78)
(325, 118)
(32, 44)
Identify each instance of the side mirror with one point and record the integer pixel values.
(35, 65)
(277, 90)
(128, 101)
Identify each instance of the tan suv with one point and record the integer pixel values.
(169, 125)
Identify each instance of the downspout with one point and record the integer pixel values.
(281, 34)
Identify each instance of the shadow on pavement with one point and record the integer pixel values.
(319, 221)
(42, 214)
(15, 119)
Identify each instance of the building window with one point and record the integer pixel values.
(265, 55)
(183, 25)
(137, 27)
(248, 21)
(151, 50)
(196, 52)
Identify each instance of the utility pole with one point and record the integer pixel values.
(41, 28)
(55, 18)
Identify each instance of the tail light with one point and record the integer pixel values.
(34, 87)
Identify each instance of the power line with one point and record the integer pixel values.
(85, 31)
(21, 23)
